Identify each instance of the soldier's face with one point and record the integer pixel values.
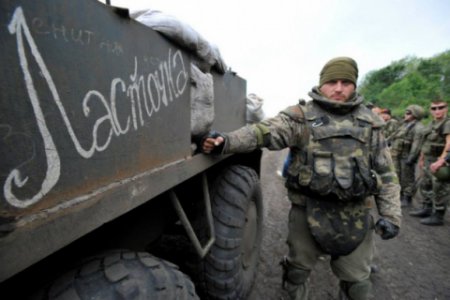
(338, 90)
(438, 110)
(386, 117)
(408, 116)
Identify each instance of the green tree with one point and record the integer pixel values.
(408, 81)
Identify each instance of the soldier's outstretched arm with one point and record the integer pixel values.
(274, 133)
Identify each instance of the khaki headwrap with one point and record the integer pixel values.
(339, 68)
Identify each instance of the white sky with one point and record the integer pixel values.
(280, 46)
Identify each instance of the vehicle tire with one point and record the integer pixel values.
(228, 270)
(122, 275)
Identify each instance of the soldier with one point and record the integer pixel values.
(376, 109)
(339, 161)
(391, 123)
(436, 144)
(405, 149)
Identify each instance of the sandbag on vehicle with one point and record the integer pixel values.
(184, 35)
(202, 101)
(255, 112)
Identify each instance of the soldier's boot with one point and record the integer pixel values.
(423, 212)
(406, 201)
(355, 290)
(295, 281)
(435, 219)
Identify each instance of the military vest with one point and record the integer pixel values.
(434, 139)
(337, 159)
(390, 127)
(402, 139)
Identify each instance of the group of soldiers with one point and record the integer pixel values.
(339, 168)
(420, 155)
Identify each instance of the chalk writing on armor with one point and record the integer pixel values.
(146, 94)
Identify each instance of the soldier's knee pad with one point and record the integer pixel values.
(357, 290)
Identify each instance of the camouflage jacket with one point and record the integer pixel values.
(406, 140)
(290, 130)
(390, 127)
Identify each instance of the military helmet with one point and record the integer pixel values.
(443, 173)
(417, 111)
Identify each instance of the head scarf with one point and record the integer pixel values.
(339, 68)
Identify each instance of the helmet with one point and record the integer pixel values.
(443, 173)
(417, 111)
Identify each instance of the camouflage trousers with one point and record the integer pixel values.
(304, 252)
(406, 175)
(433, 191)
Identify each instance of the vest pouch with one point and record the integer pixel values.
(377, 182)
(426, 149)
(433, 136)
(322, 175)
(436, 149)
(304, 175)
(344, 174)
(397, 145)
(343, 171)
(406, 147)
(370, 179)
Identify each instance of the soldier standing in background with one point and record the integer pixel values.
(339, 161)
(405, 150)
(436, 144)
(391, 123)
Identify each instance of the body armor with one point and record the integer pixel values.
(402, 139)
(434, 139)
(333, 169)
(338, 157)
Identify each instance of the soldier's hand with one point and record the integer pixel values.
(436, 165)
(213, 143)
(386, 229)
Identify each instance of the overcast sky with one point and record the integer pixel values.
(280, 46)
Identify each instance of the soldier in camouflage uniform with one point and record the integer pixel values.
(405, 149)
(436, 144)
(391, 123)
(339, 162)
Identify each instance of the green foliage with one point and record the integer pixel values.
(408, 81)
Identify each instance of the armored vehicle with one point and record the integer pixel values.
(104, 194)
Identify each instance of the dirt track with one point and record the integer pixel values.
(415, 265)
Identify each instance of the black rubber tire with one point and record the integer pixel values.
(122, 275)
(228, 270)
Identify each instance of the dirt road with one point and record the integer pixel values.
(415, 265)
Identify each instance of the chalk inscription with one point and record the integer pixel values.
(146, 93)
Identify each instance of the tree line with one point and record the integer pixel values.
(411, 80)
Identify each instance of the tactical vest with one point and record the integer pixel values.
(402, 139)
(434, 139)
(338, 157)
